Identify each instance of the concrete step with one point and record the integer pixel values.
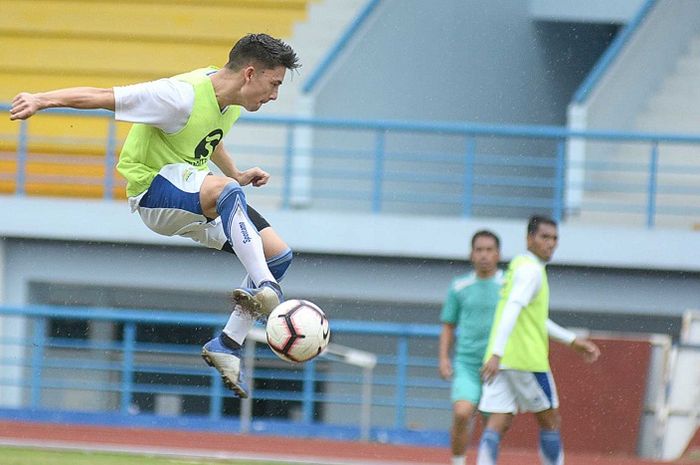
(639, 199)
(680, 86)
(632, 219)
(676, 123)
(673, 156)
(682, 174)
(617, 176)
(312, 39)
(694, 46)
(325, 22)
(674, 103)
(688, 66)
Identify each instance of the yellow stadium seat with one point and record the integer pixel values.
(50, 44)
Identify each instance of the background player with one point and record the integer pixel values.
(516, 372)
(469, 310)
(179, 124)
(469, 306)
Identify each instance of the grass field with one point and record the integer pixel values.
(26, 456)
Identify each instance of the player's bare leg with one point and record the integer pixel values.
(462, 422)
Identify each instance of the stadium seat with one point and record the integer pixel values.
(50, 44)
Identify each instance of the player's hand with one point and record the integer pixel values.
(587, 349)
(24, 105)
(490, 369)
(254, 176)
(445, 368)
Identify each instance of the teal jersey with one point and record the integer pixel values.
(470, 305)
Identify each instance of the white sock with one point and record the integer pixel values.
(239, 323)
(458, 460)
(247, 244)
(238, 326)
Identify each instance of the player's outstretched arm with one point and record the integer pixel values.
(587, 349)
(25, 104)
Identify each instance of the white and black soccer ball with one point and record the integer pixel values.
(297, 330)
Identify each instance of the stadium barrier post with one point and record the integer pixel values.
(308, 392)
(366, 406)
(246, 415)
(110, 158)
(658, 379)
(378, 170)
(651, 189)
(22, 158)
(558, 197)
(216, 391)
(469, 160)
(288, 172)
(401, 377)
(127, 366)
(38, 342)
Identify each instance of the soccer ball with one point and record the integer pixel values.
(297, 330)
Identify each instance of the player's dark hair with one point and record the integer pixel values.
(486, 233)
(535, 221)
(263, 49)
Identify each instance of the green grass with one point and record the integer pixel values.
(27, 456)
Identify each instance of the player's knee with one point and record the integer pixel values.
(499, 422)
(230, 191)
(463, 411)
(279, 264)
(549, 419)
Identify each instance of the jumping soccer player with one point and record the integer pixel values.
(179, 123)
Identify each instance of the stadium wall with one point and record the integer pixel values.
(645, 61)
(472, 61)
(590, 11)
(483, 62)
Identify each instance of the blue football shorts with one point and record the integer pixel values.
(171, 207)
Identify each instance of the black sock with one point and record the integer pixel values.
(228, 342)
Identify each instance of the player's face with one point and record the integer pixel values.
(261, 86)
(485, 256)
(543, 242)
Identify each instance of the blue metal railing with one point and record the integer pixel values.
(611, 53)
(454, 169)
(126, 366)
